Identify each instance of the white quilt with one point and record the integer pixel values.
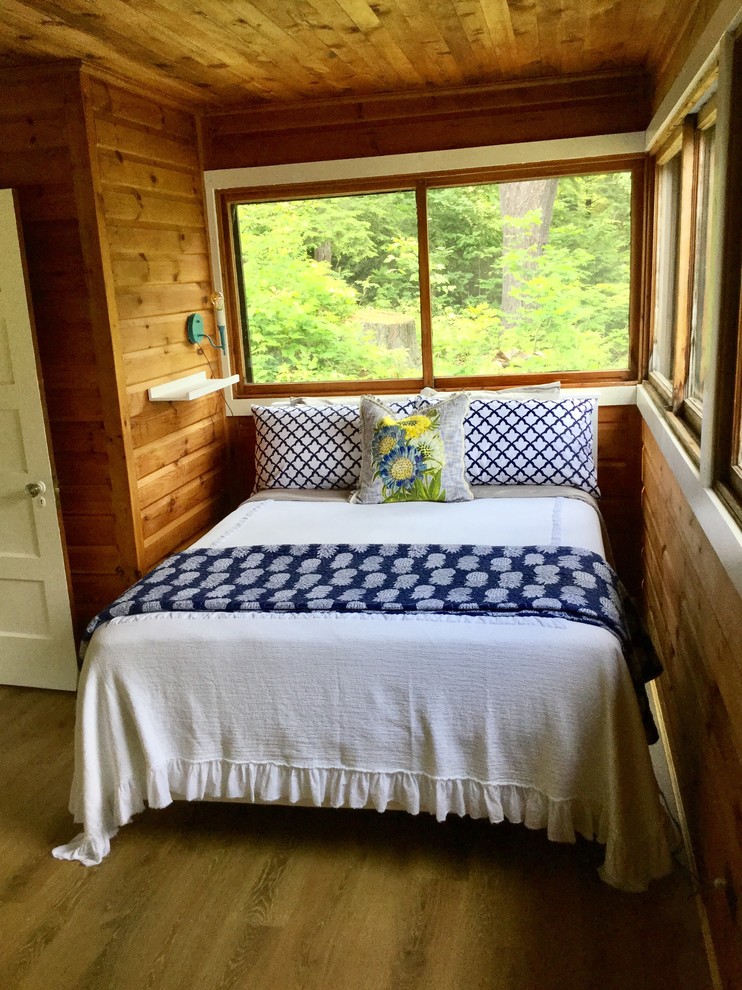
(529, 719)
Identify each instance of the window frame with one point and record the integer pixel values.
(725, 462)
(735, 459)
(636, 164)
(712, 442)
(664, 229)
(684, 414)
(692, 406)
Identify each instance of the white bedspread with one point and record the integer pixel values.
(529, 719)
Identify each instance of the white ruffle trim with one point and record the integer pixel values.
(630, 869)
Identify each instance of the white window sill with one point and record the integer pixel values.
(715, 520)
(608, 395)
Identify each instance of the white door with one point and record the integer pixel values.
(37, 646)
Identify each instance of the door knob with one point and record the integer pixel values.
(35, 488)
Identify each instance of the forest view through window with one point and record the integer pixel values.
(519, 277)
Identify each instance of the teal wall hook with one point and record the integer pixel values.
(196, 332)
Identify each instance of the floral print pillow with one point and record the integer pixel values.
(417, 458)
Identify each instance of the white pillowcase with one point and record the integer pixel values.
(532, 442)
(521, 435)
(308, 446)
(544, 390)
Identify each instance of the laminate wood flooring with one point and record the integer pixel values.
(233, 897)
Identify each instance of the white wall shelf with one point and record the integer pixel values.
(188, 388)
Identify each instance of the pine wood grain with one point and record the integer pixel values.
(172, 361)
(159, 420)
(120, 171)
(352, 126)
(165, 482)
(211, 896)
(150, 194)
(104, 325)
(695, 616)
(182, 529)
(42, 161)
(163, 452)
(276, 51)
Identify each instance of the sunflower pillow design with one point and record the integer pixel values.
(417, 458)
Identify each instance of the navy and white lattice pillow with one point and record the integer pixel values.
(304, 446)
(531, 442)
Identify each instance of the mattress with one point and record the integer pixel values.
(529, 719)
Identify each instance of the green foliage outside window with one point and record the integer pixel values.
(332, 284)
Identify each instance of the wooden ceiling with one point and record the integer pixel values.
(223, 53)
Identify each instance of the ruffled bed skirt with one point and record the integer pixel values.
(263, 783)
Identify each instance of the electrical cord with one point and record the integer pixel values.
(215, 375)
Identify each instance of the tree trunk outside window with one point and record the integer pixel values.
(517, 199)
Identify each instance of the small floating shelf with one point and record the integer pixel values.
(191, 387)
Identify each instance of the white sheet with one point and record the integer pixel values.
(533, 720)
(510, 521)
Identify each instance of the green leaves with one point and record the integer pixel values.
(426, 488)
(316, 270)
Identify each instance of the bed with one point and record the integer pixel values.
(531, 717)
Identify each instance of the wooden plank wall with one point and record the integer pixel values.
(346, 127)
(36, 118)
(695, 617)
(677, 45)
(148, 176)
(619, 478)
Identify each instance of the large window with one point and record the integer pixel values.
(531, 276)
(329, 288)
(440, 279)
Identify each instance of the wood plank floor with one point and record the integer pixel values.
(230, 896)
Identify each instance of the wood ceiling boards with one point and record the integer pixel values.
(223, 53)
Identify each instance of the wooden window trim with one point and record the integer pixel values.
(670, 148)
(636, 164)
(698, 115)
(660, 382)
(707, 114)
(734, 476)
(686, 257)
(661, 387)
(728, 407)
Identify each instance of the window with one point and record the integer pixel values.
(447, 279)
(683, 296)
(737, 432)
(666, 270)
(531, 276)
(329, 288)
(695, 367)
(729, 375)
(699, 327)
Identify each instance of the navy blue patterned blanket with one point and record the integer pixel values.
(561, 582)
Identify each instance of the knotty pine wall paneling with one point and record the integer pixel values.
(111, 203)
(695, 618)
(346, 127)
(150, 193)
(619, 480)
(38, 114)
(676, 43)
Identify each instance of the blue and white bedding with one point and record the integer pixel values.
(532, 718)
